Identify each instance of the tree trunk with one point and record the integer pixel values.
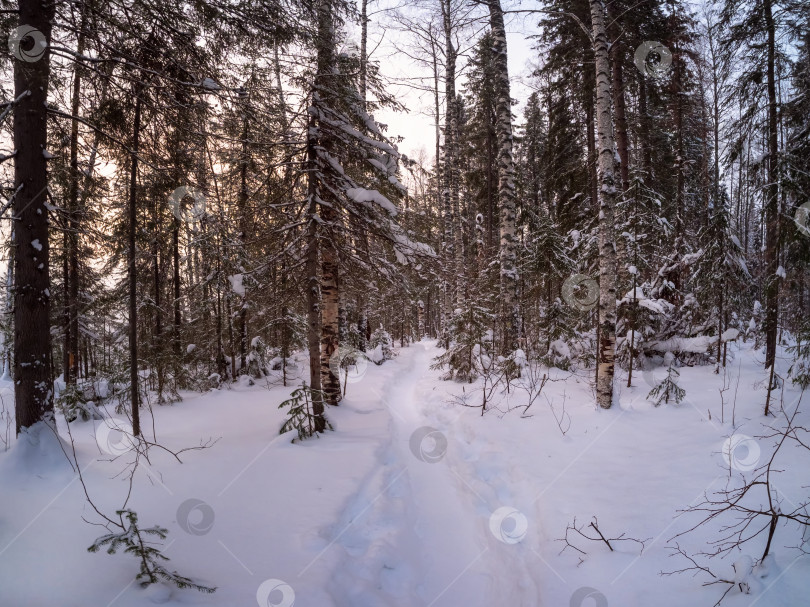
(72, 241)
(330, 294)
(607, 200)
(132, 274)
(176, 286)
(644, 128)
(506, 180)
(678, 247)
(771, 198)
(313, 282)
(450, 194)
(330, 312)
(243, 227)
(363, 50)
(33, 381)
(617, 57)
(593, 179)
(157, 350)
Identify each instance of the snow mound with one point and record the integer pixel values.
(39, 451)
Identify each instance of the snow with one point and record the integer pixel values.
(730, 335)
(697, 345)
(561, 348)
(364, 196)
(237, 285)
(36, 244)
(210, 84)
(412, 501)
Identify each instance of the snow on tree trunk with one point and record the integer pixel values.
(33, 384)
(607, 199)
(506, 179)
(450, 194)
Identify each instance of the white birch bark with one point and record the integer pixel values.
(607, 199)
(506, 180)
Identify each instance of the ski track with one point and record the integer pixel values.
(418, 533)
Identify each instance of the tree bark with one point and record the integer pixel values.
(622, 145)
(132, 274)
(506, 180)
(330, 311)
(607, 200)
(33, 381)
(243, 227)
(157, 350)
(771, 197)
(450, 194)
(363, 50)
(313, 281)
(71, 353)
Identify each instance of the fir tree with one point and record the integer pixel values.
(133, 539)
(668, 388)
(302, 416)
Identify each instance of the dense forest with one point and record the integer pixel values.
(200, 195)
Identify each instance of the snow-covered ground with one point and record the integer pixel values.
(414, 500)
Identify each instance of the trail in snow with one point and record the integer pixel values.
(419, 530)
(360, 517)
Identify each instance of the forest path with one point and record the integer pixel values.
(423, 536)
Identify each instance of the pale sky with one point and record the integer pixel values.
(417, 126)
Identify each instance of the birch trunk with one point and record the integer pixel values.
(330, 312)
(329, 284)
(607, 199)
(506, 180)
(450, 193)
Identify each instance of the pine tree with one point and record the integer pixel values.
(33, 381)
